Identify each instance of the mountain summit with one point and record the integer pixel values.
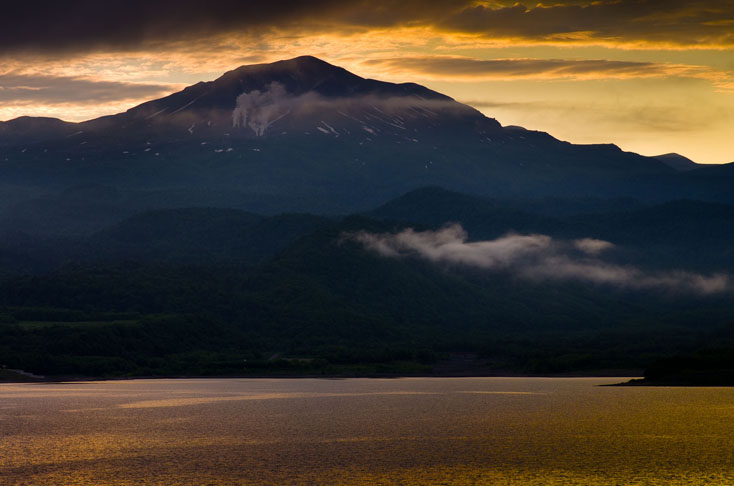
(303, 134)
(304, 95)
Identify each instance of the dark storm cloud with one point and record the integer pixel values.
(665, 21)
(127, 24)
(115, 24)
(52, 90)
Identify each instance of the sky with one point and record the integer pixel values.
(653, 76)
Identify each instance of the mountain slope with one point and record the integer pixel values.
(30, 130)
(199, 235)
(680, 234)
(677, 161)
(483, 218)
(317, 138)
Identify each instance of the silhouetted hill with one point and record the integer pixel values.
(677, 161)
(483, 218)
(200, 235)
(721, 170)
(707, 367)
(79, 210)
(683, 234)
(31, 130)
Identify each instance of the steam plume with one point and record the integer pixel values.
(259, 110)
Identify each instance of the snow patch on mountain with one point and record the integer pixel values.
(259, 109)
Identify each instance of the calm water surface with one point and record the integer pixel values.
(453, 431)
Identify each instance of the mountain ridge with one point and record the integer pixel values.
(318, 138)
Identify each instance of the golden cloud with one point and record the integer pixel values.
(117, 25)
(471, 69)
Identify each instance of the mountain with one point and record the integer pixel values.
(682, 234)
(482, 217)
(304, 135)
(186, 236)
(74, 211)
(31, 130)
(285, 95)
(677, 161)
(199, 235)
(714, 171)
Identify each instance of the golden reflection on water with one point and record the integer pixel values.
(455, 431)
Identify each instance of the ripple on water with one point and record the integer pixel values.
(365, 432)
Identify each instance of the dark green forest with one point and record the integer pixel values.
(206, 291)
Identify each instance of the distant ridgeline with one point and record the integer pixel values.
(294, 218)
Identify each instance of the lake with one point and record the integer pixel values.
(409, 431)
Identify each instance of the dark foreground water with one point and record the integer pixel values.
(444, 431)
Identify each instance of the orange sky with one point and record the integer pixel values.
(651, 76)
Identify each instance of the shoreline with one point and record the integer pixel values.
(622, 374)
(642, 382)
